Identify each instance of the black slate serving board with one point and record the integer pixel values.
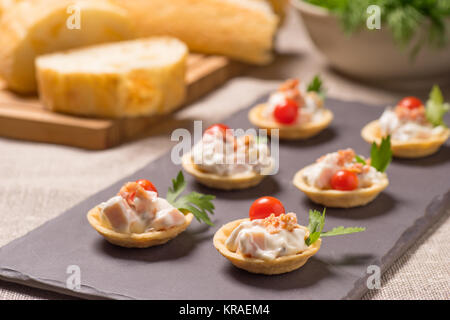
(189, 267)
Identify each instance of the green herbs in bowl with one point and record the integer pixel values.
(404, 18)
(412, 42)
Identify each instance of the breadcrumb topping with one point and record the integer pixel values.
(406, 114)
(275, 224)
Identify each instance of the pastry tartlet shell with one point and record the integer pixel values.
(337, 198)
(289, 132)
(135, 240)
(212, 180)
(269, 267)
(416, 148)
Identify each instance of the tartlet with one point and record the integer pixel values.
(415, 148)
(135, 240)
(271, 241)
(337, 198)
(293, 112)
(343, 179)
(138, 218)
(289, 132)
(416, 130)
(234, 182)
(217, 174)
(279, 265)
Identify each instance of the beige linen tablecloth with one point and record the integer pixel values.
(39, 181)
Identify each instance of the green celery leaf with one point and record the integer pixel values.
(436, 107)
(360, 160)
(342, 230)
(315, 225)
(381, 156)
(316, 85)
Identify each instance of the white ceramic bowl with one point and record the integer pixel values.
(369, 54)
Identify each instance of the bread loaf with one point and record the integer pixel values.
(241, 29)
(35, 27)
(124, 79)
(5, 5)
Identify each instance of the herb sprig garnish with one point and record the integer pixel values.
(360, 160)
(316, 224)
(436, 107)
(316, 85)
(196, 203)
(380, 156)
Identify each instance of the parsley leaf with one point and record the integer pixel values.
(196, 203)
(360, 160)
(316, 224)
(341, 230)
(316, 86)
(436, 107)
(381, 156)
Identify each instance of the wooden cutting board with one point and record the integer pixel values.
(25, 118)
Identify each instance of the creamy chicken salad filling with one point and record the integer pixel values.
(310, 104)
(136, 210)
(269, 238)
(226, 155)
(320, 174)
(405, 124)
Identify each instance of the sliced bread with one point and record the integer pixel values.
(124, 79)
(35, 27)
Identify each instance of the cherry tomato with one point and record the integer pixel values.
(410, 103)
(344, 180)
(264, 207)
(287, 112)
(218, 127)
(147, 185)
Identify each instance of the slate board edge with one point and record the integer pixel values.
(436, 209)
(410, 236)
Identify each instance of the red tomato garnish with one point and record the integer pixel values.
(147, 185)
(344, 180)
(287, 112)
(410, 102)
(264, 207)
(218, 127)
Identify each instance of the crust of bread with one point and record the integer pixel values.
(32, 28)
(144, 90)
(269, 267)
(215, 181)
(135, 240)
(337, 198)
(292, 132)
(280, 7)
(241, 29)
(416, 148)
